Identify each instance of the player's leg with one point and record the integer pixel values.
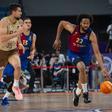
(8, 79)
(32, 79)
(5, 100)
(14, 60)
(74, 58)
(78, 90)
(86, 59)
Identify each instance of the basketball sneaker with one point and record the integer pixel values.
(17, 92)
(5, 101)
(86, 97)
(75, 98)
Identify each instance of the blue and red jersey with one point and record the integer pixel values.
(79, 42)
(79, 46)
(27, 43)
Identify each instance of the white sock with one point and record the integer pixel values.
(16, 83)
(7, 94)
(78, 91)
(2, 79)
(84, 88)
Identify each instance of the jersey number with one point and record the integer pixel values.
(79, 41)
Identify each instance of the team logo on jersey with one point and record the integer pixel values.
(85, 37)
(25, 42)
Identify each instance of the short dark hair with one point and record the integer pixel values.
(82, 16)
(26, 18)
(13, 7)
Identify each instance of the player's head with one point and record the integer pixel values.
(15, 10)
(27, 22)
(84, 21)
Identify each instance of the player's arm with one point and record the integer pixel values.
(97, 53)
(62, 25)
(3, 32)
(20, 45)
(33, 48)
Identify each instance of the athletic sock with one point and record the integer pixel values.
(84, 88)
(16, 83)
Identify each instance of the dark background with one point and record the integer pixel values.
(46, 27)
(46, 15)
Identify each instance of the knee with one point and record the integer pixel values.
(81, 66)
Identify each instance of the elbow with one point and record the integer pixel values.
(62, 22)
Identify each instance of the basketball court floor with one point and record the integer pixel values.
(58, 102)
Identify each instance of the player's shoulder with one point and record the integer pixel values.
(5, 19)
(4, 22)
(92, 33)
(33, 34)
(89, 30)
(92, 36)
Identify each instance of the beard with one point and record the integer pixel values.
(84, 29)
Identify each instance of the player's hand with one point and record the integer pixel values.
(30, 57)
(21, 47)
(105, 74)
(57, 44)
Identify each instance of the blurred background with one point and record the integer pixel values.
(45, 16)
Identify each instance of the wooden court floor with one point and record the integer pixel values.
(58, 102)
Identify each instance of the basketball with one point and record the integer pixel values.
(106, 87)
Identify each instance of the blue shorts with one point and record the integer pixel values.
(24, 65)
(8, 71)
(75, 57)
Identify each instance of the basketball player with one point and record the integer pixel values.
(10, 31)
(79, 51)
(28, 40)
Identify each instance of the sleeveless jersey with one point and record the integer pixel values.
(11, 28)
(79, 42)
(27, 43)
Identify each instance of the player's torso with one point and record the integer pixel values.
(11, 28)
(27, 43)
(79, 42)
